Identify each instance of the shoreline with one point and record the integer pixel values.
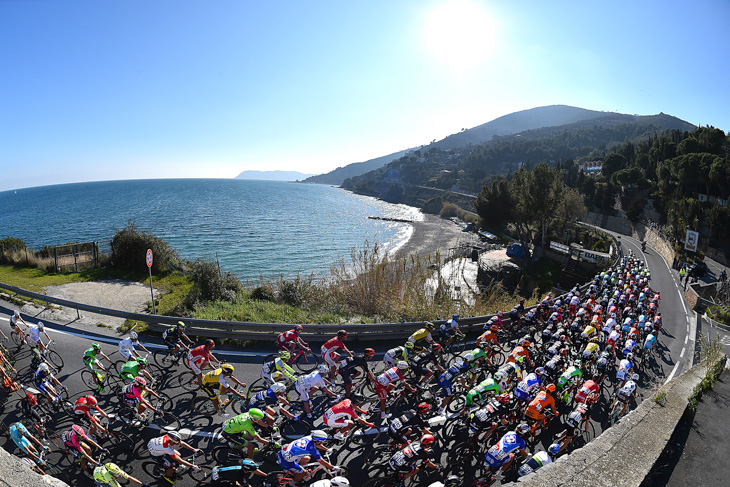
(434, 234)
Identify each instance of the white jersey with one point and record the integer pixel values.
(310, 381)
(126, 344)
(160, 446)
(35, 333)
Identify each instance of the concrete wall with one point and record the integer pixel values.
(14, 473)
(623, 455)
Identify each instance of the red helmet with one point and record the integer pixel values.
(369, 352)
(436, 347)
(298, 328)
(32, 400)
(494, 328)
(423, 408)
(427, 440)
(91, 400)
(140, 381)
(210, 343)
(503, 398)
(564, 351)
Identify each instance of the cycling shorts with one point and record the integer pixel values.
(303, 391)
(404, 469)
(211, 388)
(291, 467)
(330, 357)
(35, 340)
(172, 342)
(390, 360)
(193, 363)
(492, 462)
(445, 334)
(397, 435)
(127, 352)
(288, 346)
(345, 373)
(382, 390)
(23, 443)
(42, 385)
(447, 386)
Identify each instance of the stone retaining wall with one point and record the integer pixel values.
(15, 473)
(624, 454)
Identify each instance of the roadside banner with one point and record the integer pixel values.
(691, 241)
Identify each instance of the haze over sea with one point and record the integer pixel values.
(257, 228)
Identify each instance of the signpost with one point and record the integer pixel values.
(148, 259)
(691, 240)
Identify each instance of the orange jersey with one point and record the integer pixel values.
(487, 337)
(536, 409)
(519, 352)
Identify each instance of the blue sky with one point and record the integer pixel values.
(179, 88)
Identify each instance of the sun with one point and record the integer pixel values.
(459, 34)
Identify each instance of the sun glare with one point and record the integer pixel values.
(459, 33)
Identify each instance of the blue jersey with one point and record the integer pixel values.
(629, 346)
(266, 396)
(40, 376)
(650, 342)
(17, 432)
(300, 448)
(453, 372)
(499, 453)
(527, 387)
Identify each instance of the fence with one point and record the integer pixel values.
(78, 254)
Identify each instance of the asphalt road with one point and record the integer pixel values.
(676, 350)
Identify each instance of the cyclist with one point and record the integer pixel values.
(44, 380)
(29, 408)
(649, 344)
(400, 427)
(218, 379)
(236, 475)
(34, 334)
(200, 357)
(625, 394)
(91, 362)
(479, 394)
(132, 395)
(385, 382)
(301, 451)
(539, 460)
(485, 420)
(422, 337)
(507, 373)
(276, 394)
(449, 330)
(76, 442)
(495, 320)
(310, 383)
(393, 355)
(87, 407)
(126, 346)
(530, 385)
(522, 350)
(109, 474)
(330, 355)
(419, 363)
(350, 365)
(625, 369)
(592, 351)
(446, 379)
(15, 326)
(403, 461)
(133, 368)
(502, 454)
(278, 364)
(342, 415)
(489, 339)
(589, 392)
(543, 401)
(22, 438)
(163, 448)
(290, 340)
(240, 430)
(174, 337)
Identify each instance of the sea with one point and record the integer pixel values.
(252, 228)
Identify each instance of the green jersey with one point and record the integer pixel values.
(486, 387)
(239, 424)
(130, 369)
(89, 355)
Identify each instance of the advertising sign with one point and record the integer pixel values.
(691, 241)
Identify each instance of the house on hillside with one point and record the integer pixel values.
(591, 168)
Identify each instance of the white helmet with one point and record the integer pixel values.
(133, 335)
(278, 387)
(323, 369)
(44, 367)
(339, 482)
(469, 357)
(629, 356)
(402, 365)
(41, 326)
(17, 313)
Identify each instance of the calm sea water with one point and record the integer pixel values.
(255, 227)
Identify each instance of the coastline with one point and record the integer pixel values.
(435, 234)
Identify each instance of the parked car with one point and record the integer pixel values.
(698, 269)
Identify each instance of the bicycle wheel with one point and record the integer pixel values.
(364, 436)
(458, 345)
(167, 421)
(202, 475)
(88, 378)
(165, 403)
(158, 375)
(120, 441)
(225, 455)
(188, 381)
(306, 362)
(324, 474)
(18, 339)
(163, 358)
(379, 455)
(256, 386)
(203, 406)
(293, 430)
(55, 359)
(456, 404)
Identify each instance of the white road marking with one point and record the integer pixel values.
(681, 354)
(686, 337)
(674, 371)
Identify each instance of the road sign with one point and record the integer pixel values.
(149, 268)
(149, 257)
(690, 241)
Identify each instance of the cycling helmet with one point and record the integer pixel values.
(469, 357)
(455, 316)
(278, 387)
(284, 355)
(525, 343)
(519, 359)
(32, 400)
(500, 314)
(436, 347)
(369, 352)
(630, 356)
(494, 328)
(341, 334)
(635, 377)
(577, 363)
(429, 326)
(140, 381)
(319, 435)
(563, 338)
(41, 326)
(409, 346)
(423, 408)
(564, 351)
(323, 369)
(298, 328)
(540, 371)
(96, 347)
(522, 428)
(553, 449)
(427, 440)
(17, 313)
(113, 469)
(141, 361)
(44, 367)
(357, 398)
(249, 465)
(78, 430)
(550, 388)
(133, 336)
(210, 343)
(174, 436)
(227, 368)
(91, 400)
(503, 398)
(181, 324)
(256, 413)
(617, 327)
(339, 482)
(402, 365)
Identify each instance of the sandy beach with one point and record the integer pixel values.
(435, 234)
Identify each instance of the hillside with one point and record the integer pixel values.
(337, 176)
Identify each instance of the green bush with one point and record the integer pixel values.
(434, 205)
(209, 284)
(263, 293)
(450, 210)
(129, 248)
